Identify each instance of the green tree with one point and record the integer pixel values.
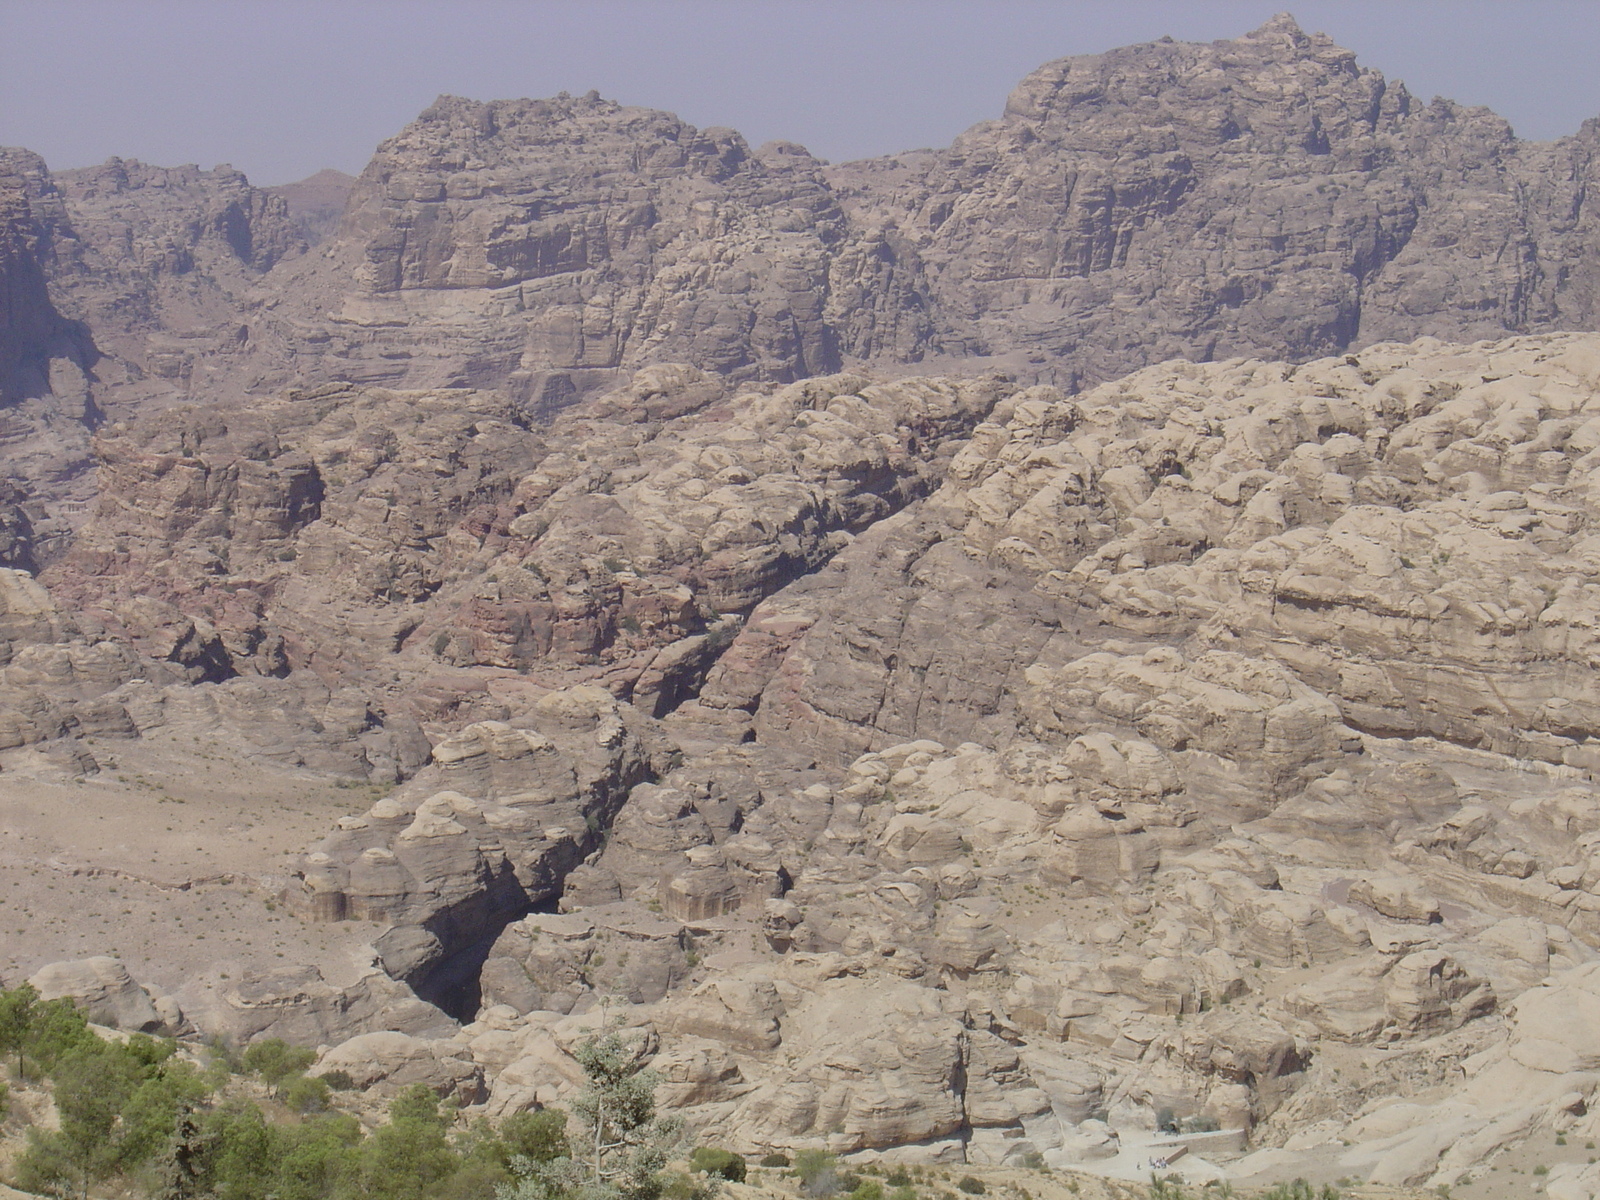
(46, 1166)
(238, 1153)
(275, 1060)
(617, 1143)
(304, 1094)
(539, 1136)
(151, 1112)
(410, 1156)
(17, 1008)
(92, 1084)
(55, 1028)
(317, 1158)
(713, 1160)
(179, 1170)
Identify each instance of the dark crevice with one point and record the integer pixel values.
(454, 983)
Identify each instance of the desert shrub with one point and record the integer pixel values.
(818, 1172)
(537, 1136)
(275, 1060)
(898, 1178)
(971, 1186)
(339, 1081)
(1299, 1189)
(713, 1160)
(304, 1094)
(776, 1159)
(682, 1186)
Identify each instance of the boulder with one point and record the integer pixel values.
(106, 994)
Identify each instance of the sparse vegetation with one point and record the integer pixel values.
(712, 1160)
(617, 1145)
(144, 1120)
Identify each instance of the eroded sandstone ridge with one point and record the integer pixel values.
(1265, 195)
(1216, 742)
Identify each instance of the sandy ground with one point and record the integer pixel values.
(1003, 1183)
(170, 858)
(1516, 1171)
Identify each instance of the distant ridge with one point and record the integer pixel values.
(317, 202)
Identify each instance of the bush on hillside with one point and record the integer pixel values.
(712, 1160)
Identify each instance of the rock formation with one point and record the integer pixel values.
(316, 204)
(1261, 196)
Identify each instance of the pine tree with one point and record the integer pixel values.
(180, 1168)
(17, 1008)
(618, 1143)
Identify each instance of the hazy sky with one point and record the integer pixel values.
(281, 88)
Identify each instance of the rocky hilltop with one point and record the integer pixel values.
(317, 202)
(1263, 196)
(1070, 649)
(1215, 743)
(117, 281)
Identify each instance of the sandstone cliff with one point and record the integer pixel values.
(1265, 195)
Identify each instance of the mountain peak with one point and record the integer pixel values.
(1279, 25)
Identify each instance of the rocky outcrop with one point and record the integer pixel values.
(1142, 174)
(302, 1007)
(106, 994)
(157, 264)
(387, 1063)
(114, 281)
(1265, 195)
(568, 238)
(950, 768)
(488, 830)
(46, 408)
(316, 204)
(1140, 838)
(329, 530)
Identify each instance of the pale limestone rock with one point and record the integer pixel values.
(105, 992)
(391, 1062)
(1430, 990)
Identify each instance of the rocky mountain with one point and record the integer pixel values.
(46, 408)
(1069, 649)
(317, 202)
(1265, 195)
(117, 281)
